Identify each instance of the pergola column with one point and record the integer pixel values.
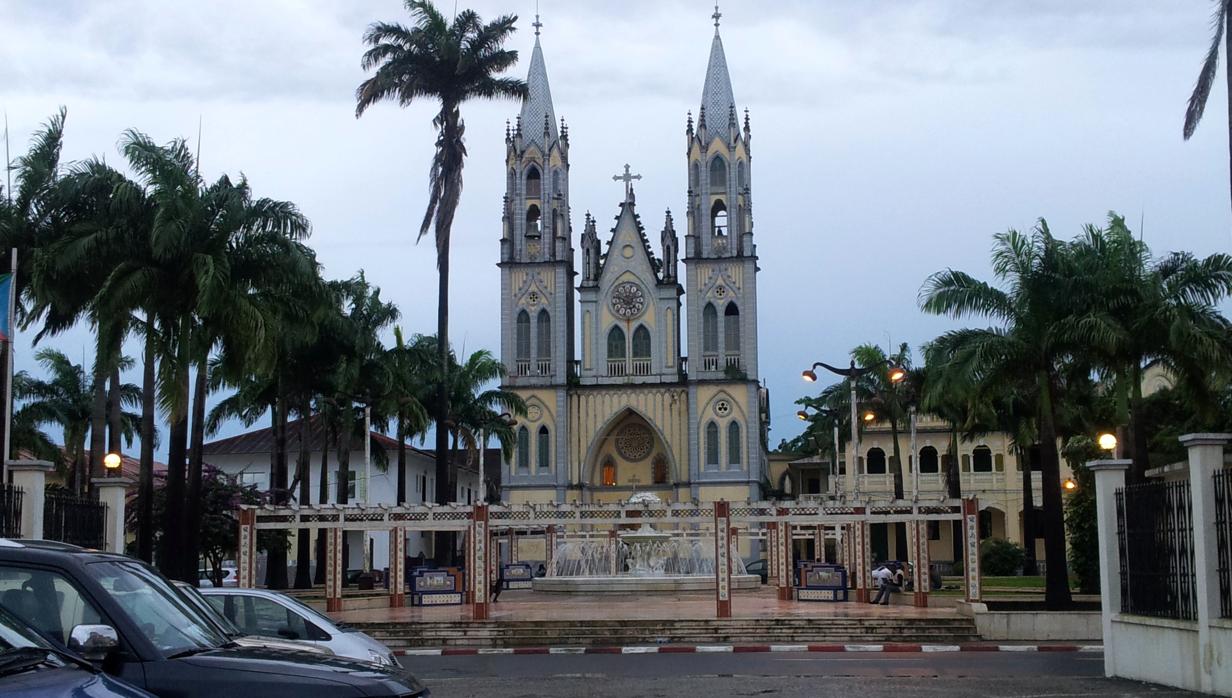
(785, 558)
(613, 546)
(480, 552)
(819, 543)
(333, 569)
(772, 552)
(397, 567)
(862, 558)
(971, 549)
(549, 550)
(917, 549)
(513, 546)
(722, 559)
(247, 556)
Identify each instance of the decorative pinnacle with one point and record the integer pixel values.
(746, 119)
(716, 17)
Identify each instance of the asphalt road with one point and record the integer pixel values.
(848, 675)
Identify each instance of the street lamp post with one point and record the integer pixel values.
(915, 467)
(851, 373)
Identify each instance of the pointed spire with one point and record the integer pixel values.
(537, 107)
(717, 96)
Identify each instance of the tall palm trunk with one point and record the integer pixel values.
(1139, 448)
(1056, 582)
(303, 467)
(1028, 513)
(115, 412)
(401, 494)
(171, 556)
(192, 503)
(450, 173)
(323, 498)
(276, 558)
(145, 490)
(1227, 55)
(98, 422)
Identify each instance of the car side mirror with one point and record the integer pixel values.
(94, 642)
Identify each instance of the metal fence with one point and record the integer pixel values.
(10, 511)
(75, 520)
(1155, 542)
(1223, 539)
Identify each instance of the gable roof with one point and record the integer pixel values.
(262, 440)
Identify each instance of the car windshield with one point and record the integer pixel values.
(15, 634)
(165, 618)
(204, 608)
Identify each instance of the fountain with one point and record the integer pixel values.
(647, 560)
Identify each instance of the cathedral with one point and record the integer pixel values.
(617, 400)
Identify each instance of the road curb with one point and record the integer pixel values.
(889, 647)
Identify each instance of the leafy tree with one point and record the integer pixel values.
(449, 62)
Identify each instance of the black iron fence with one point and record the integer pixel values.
(1223, 539)
(1155, 542)
(10, 511)
(75, 520)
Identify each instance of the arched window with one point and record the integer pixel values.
(534, 183)
(718, 217)
(731, 329)
(544, 455)
(616, 344)
(740, 175)
(718, 175)
(876, 461)
(712, 446)
(659, 470)
(981, 459)
(523, 450)
(733, 446)
(532, 221)
(710, 329)
(543, 335)
(609, 473)
(641, 342)
(928, 459)
(556, 182)
(695, 179)
(523, 335)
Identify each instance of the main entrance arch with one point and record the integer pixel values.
(629, 455)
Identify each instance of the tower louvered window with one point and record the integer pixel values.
(731, 334)
(543, 343)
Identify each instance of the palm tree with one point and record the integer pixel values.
(1221, 35)
(1140, 311)
(1034, 337)
(449, 62)
(887, 399)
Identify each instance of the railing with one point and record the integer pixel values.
(641, 367)
(543, 367)
(1155, 543)
(10, 511)
(74, 520)
(1223, 539)
(575, 368)
(732, 361)
(617, 367)
(522, 367)
(710, 362)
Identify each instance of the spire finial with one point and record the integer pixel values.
(537, 24)
(717, 15)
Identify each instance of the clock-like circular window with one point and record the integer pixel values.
(722, 408)
(634, 442)
(628, 301)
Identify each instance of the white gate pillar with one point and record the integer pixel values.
(1109, 477)
(1205, 459)
(112, 492)
(31, 477)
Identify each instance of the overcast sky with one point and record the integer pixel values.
(890, 139)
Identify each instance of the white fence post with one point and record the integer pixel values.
(1205, 459)
(31, 477)
(1109, 477)
(112, 492)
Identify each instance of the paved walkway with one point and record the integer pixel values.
(530, 605)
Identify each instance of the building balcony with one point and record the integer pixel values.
(543, 367)
(522, 367)
(710, 362)
(617, 367)
(641, 367)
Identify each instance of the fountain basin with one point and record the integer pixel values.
(629, 584)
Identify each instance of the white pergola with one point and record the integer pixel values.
(778, 523)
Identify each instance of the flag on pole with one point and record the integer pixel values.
(6, 287)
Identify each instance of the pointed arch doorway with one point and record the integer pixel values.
(628, 456)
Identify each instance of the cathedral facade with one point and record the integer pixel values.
(618, 400)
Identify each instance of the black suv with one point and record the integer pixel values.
(125, 616)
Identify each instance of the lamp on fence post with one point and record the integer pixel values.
(112, 463)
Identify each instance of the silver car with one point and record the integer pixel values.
(263, 612)
(237, 636)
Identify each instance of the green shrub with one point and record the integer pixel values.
(1080, 523)
(1000, 557)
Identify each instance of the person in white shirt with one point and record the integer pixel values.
(887, 584)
